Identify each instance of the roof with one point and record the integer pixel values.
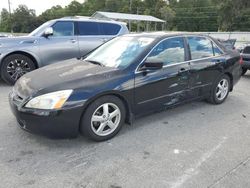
(85, 18)
(162, 34)
(123, 16)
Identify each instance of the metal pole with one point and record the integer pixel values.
(10, 17)
(130, 6)
(130, 10)
(9, 6)
(137, 22)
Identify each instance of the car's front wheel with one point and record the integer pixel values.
(103, 118)
(15, 66)
(220, 90)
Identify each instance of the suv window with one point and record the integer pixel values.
(169, 51)
(88, 28)
(246, 50)
(63, 28)
(109, 29)
(200, 47)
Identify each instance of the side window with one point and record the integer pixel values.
(63, 29)
(217, 51)
(246, 50)
(169, 51)
(88, 28)
(200, 47)
(109, 29)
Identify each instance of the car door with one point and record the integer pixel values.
(89, 36)
(205, 59)
(61, 45)
(167, 86)
(109, 30)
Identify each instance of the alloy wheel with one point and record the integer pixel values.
(222, 89)
(17, 68)
(105, 119)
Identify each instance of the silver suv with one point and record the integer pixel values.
(54, 41)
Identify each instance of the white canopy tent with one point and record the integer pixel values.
(129, 17)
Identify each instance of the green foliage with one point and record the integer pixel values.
(24, 19)
(182, 15)
(193, 15)
(234, 15)
(5, 21)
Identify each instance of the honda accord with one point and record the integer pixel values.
(126, 77)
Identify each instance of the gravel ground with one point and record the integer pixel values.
(193, 145)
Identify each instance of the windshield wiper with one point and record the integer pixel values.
(95, 63)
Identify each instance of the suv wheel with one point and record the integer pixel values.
(15, 66)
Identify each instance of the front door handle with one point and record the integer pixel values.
(73, 40)
(104, 40)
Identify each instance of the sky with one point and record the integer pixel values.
(38, 5)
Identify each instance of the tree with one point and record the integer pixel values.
(193, 15)
(24, 19)
(5, 23)
(52, 13)
(182, 15)
(234, 15)
(73, 9)
(168, 15)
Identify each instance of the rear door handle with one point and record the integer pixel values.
(216, 61)
(182, 70)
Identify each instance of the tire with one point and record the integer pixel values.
(105, 127)
(215, 97)
(15, 66)
(243, 71)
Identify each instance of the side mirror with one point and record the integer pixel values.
(152, 64)
(48, 32)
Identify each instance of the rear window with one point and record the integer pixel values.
(247, 50)
(217, 51)
(109, 29)
(200, 47)
(88, 28)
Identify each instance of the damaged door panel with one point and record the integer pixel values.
(204, 61)
(167, 86)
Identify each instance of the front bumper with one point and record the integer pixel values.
(53, 124)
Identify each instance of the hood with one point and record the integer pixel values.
(69, 74)
(15, 41)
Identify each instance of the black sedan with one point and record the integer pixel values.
(126, 77)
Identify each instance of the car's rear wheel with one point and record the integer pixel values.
(15, 66)
(103, 118)
(243, 71)
(220, 90)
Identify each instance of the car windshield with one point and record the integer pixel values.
(38, 31)
(120, 52)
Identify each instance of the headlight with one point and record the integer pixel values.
(50, 101)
